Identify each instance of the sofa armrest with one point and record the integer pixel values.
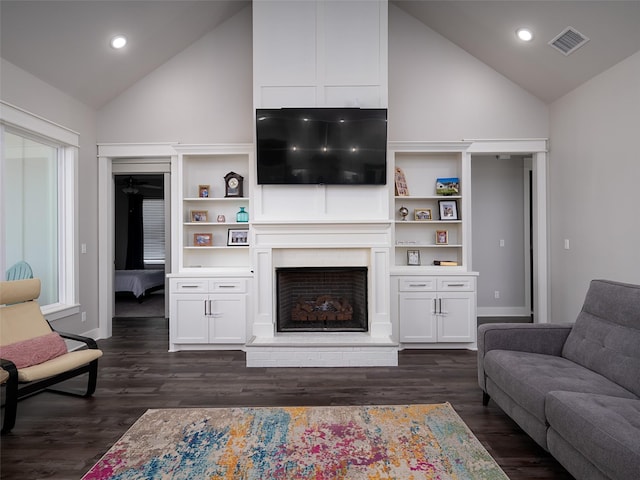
(542, 338)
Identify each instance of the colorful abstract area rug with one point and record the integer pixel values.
(321, 443)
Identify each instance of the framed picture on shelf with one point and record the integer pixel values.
(402, 190)
(203, 191)
(199, 215)
(202, 239)
(448, 186)
(238, 237)
(448, 209)
(442, 237)
(413, 257)
(422, 214)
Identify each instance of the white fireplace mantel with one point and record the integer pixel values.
(323, 244)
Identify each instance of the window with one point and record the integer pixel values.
(31, 216)
(38, 205)
(153, 217)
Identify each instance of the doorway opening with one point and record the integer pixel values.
(139, 245)
(503, 236)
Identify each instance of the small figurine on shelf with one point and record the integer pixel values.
(242, 216)
(404, 211)
(221, 218)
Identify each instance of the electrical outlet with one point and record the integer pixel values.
(84, 316)
(496, 294)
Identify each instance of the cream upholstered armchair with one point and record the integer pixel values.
(32, 354)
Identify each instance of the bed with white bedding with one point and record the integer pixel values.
(139, 282)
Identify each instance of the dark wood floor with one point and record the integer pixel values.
(61, 437)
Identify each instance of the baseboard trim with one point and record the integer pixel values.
(503, 312)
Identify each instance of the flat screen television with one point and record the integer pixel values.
(330, 146)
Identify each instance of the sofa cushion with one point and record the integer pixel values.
(34, 350)
(606, 335)
(605, 430)
(528, 377)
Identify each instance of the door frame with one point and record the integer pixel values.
(141, 158)
(537, 149)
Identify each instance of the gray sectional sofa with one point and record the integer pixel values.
(574, 388)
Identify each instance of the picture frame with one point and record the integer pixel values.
(199, 215)
(203, 191)
(413, 257)
(402, 190)
(442, 237)
(238, 237)
(448, 186)
(422, 214)
(202, 239)
(448, 209)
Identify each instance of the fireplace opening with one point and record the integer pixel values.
(321, 299)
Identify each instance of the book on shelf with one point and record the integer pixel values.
(446, 263)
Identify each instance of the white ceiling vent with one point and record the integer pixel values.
(568, 41)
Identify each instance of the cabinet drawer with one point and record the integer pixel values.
(417, 284)
(462, 284)
(229, 285)
(189, 285)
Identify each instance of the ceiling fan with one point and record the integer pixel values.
(133, 186)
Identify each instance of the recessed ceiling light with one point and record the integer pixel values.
(118, 42)
(524, 34)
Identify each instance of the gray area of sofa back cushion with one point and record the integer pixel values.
(606, 335)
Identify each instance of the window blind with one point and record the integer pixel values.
(153, 217)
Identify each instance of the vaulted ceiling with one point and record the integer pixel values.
(65, 43)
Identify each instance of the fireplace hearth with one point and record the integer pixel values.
(322, 299)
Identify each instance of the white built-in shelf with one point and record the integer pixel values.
(428, 197)
(426, 222)
(222, 247)
(215, 199)
(427, 245)
(215, 224)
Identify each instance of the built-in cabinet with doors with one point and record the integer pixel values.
(209, 289)
(433, 290)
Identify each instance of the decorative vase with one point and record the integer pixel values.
(221, 218)
(242, 216)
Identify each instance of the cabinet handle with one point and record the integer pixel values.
(417, 284)
(440, 306)
(205, 308)
(455, 284)
(189, 286)
(226, 286)
(435, 307)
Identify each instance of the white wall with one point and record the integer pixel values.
(437, 91)
(595, 186)
(202, 95)
(22, 89)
